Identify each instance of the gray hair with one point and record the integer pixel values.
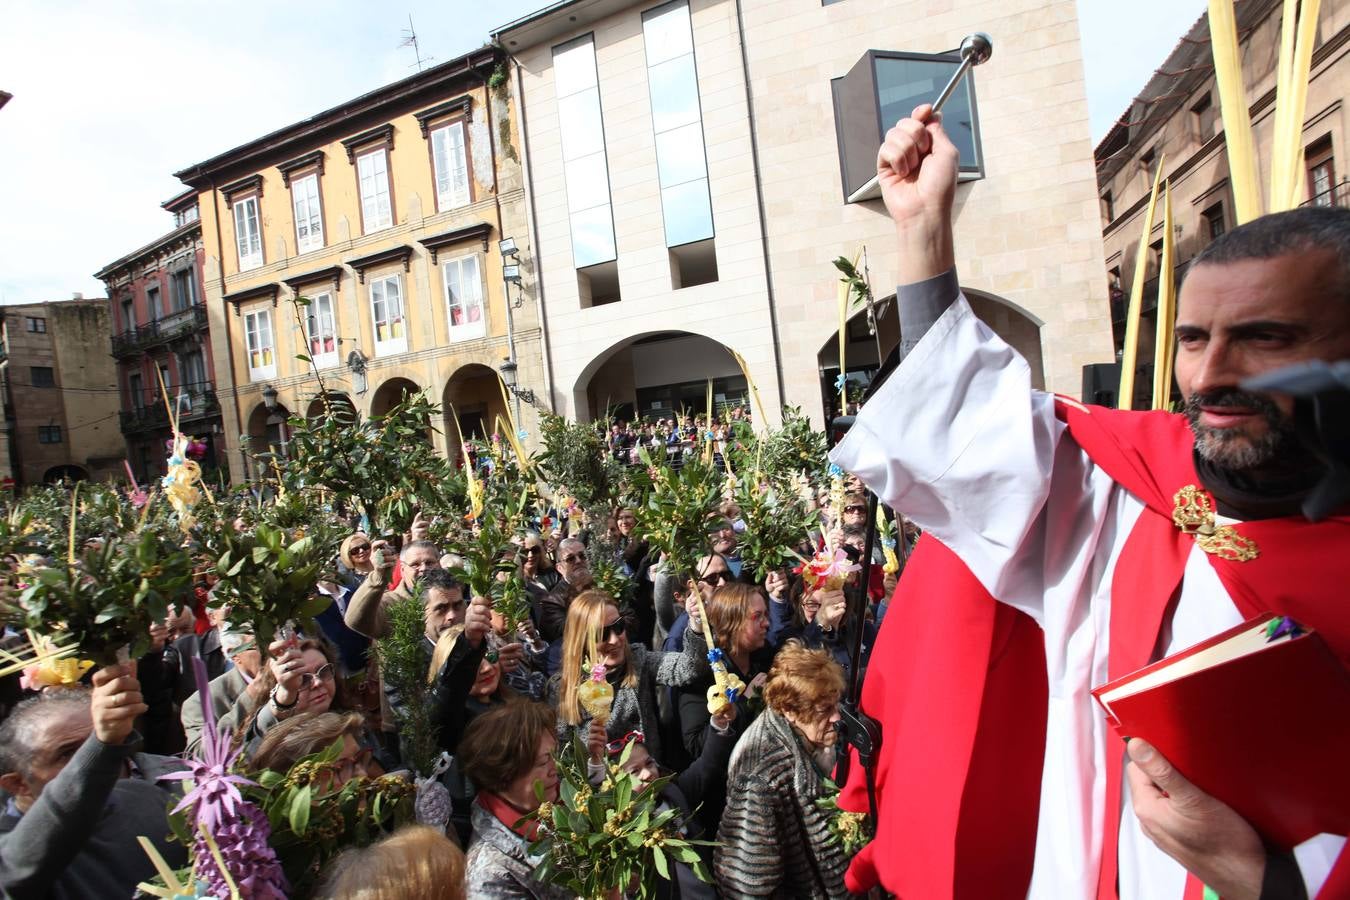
(21, 733)
(421, 545)
(571, 542)
(1308, 228)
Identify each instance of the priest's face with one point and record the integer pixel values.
(1243, 318)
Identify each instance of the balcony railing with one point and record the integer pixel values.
(191, 402)
(1338, 195)
(172, 327)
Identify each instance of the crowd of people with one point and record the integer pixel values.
(501, 701)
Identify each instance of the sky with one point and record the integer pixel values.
(110, 99)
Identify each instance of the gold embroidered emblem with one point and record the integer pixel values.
(1194, 515)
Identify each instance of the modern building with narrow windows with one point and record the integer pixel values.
(160, 332)
(693, 168)
(1174, 122)
(399, 217)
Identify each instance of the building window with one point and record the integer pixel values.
(136, 388)
(321, 329)
(882, 88)
(386, 313)
(464, 298)
(248, 232)
(128, 314)
(1321, 173)
(184, 289)
(585, 169)
(36, 324)
(41, 376)
(193, 366)
(449, 156)
(1108, 207)
(308, 215)
(184, 216)
(49, 434)
(1204, 117)
(1214, 223)
(677, 121)
(372, 172)
(262, 362)
(153, 304)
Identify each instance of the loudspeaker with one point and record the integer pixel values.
(1101, 383)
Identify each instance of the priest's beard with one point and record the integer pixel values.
(1231, 449)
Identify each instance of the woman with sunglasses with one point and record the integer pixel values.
(596, 633)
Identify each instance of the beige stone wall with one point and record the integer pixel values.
(432, 361)
(1027, 233)
(83, 402)
(1196, 164)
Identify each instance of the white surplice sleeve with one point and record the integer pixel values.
(957, 440)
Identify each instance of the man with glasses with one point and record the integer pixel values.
(714, 571)
(575, 570)
(722, 537)
(239, 683)
(365, 611)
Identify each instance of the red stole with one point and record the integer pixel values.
(509, 816)
(958, 680)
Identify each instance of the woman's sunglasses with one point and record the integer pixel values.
(713, 579)
(360, 548)
(310, 679)
(613, 630)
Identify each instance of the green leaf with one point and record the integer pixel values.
(299, 812)
(303, 358)
(662, 867)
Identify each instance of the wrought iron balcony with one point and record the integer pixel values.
(175, 326)
(1338, 195)
(191, 402)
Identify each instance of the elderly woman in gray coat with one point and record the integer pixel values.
(774, 839)
(506, 752)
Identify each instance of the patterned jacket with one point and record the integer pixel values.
(635, 708)
(500, 867)
(774, 841)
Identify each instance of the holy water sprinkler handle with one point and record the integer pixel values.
(975, 50)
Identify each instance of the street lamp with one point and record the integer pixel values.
(269, 395)
(508, 369)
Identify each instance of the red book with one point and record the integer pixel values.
(1260, 722)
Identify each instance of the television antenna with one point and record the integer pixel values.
(410, 40)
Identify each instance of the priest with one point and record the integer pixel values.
(1051, 564)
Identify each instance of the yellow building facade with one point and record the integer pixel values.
(388, 215)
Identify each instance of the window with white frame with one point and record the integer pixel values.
(386, 313)
(321, 325)
(248, 232)
(464, 298)
(449, 155)
(372, 172)
(262, 360)
(308, 217)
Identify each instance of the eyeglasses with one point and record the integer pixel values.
(535, 551)
(310, 679)
(613, 630)
(855, 509)
(492, 656)
(360, 548)
(633, 737)
(714, 579)
(573, 559)
(347, 768)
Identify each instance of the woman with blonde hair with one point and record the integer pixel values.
(775, 839)
(309, 733)
(595, 643)
(413, 863)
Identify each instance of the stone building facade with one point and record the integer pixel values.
(159, 331)
(388, 215)
(1175, 122)
(694, 167)
(60, 392)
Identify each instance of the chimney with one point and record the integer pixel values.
(77, 296)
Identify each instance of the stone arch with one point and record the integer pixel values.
(1016, 325)
(472, 397)
(390, 393)
(65, 472)
(672, 375)
(267, 429)
(338, 403)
